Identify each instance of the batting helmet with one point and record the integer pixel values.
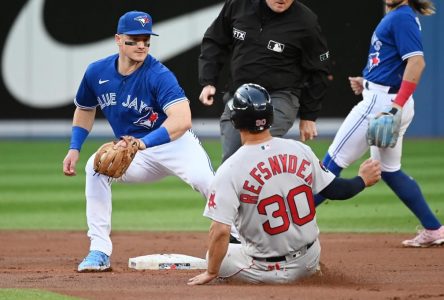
(251, 108)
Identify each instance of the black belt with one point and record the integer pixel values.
(279, 258)
(392, 90)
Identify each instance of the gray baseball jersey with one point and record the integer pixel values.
(267, 190)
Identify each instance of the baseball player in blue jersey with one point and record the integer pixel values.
(139, 97)
(394, 67)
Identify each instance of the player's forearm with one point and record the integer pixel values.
(214, 53)
(312, 95)
(215, 49)
(209, 66)
(169, 131)
(411, 77)
(219, 240)
(81, 126)
(84, 118)
(342, 189)
(178, 120)
(414, 68)
(175, 131)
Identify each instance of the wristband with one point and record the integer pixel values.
(405, 91)
(157, 137)
(78, 137)
(393, 111)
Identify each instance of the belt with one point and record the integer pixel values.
(374, 86)
(292, 255)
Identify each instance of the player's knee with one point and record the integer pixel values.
(390, 168)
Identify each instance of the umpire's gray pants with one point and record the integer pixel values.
(286, 106)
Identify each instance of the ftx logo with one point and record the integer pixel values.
(239, 34)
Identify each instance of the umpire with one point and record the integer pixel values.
(274, 43)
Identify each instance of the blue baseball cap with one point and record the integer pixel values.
(135, 23)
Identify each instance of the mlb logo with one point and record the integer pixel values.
(275, 46)
(239, 34)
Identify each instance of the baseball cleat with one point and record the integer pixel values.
(426, 238)
(96, 261)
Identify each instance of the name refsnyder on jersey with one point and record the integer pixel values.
(274, 165)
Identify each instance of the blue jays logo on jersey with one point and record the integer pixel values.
(373, 60)
(143, 20)
(148, 120)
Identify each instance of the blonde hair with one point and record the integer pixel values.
(424, 7)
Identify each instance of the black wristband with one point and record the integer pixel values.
(393, 111)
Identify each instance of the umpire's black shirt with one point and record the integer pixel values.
(280, 51)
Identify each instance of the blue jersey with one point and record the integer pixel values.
(134, 104)
(396, 38)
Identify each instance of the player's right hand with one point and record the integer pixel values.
(357, 84)
(307, 130)
(370, 172)
(70, 161)
(203, 278)
(207, 95)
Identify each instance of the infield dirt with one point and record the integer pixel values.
(354, 266)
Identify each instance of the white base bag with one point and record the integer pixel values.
(167, 262)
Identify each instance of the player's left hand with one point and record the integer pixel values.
(307, 130)
(203, 278)
(383, 130)
(124, 143)
(113, 159)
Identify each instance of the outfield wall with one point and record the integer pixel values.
(46, 45)
(429, 98)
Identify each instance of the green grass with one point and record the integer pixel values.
(377, 209)
(23, 294)
(34, 193)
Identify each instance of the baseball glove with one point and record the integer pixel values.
(383, 130)
(113, 159)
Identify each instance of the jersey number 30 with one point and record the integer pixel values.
(298, 199)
